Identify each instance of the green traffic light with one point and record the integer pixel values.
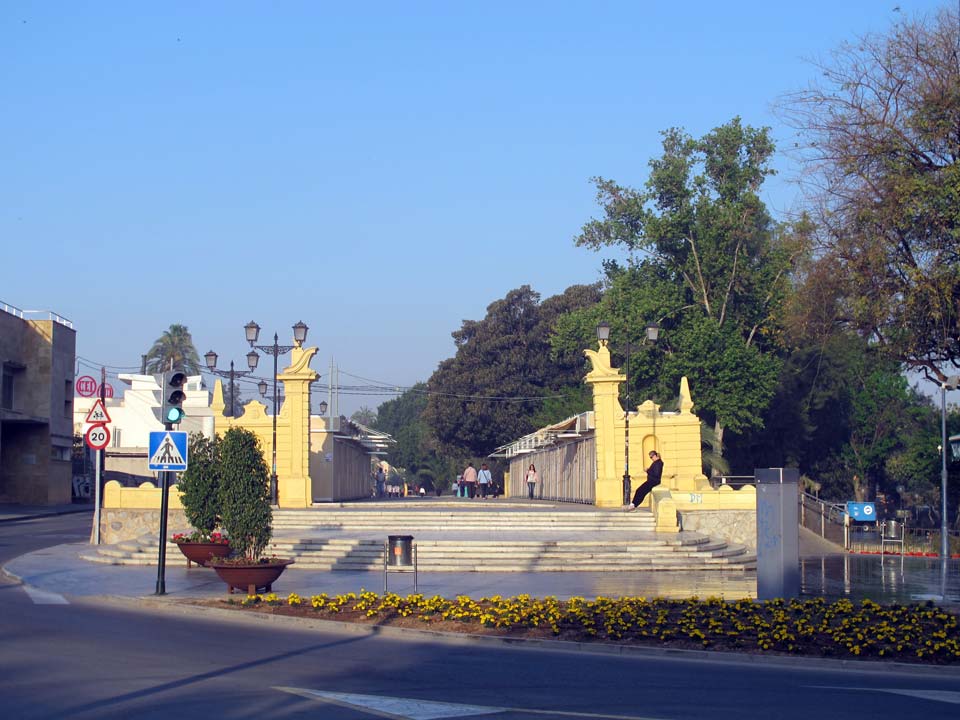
(174, 415)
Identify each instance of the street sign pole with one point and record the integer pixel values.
(167, 453)
(96, 500)
(162, 553)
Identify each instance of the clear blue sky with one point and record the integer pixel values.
(381, 171)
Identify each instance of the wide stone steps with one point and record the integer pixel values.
(462, 537)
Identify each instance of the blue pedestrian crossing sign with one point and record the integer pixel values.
(168, 450)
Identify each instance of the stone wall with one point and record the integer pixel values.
(732, 526)
(119, 524)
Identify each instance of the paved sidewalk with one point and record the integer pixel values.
(60, 570)
(13, 513)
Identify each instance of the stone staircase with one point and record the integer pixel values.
(462, 537)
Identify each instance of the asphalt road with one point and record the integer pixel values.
(97, 659)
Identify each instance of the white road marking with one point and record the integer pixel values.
(398, 708)
(43, 597)
(947, 696)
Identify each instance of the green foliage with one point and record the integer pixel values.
(842, 411)
(880, 128)
(200, 484)
(365, 416)
(715, 274)
(245, 493)
(489, 393)
(174, 345)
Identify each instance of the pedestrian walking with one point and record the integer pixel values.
(484, 479)
(654, 473)
(470, 480)
(532, 479)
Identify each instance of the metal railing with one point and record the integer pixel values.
(735, 481)
(824, 518)
(35, 314)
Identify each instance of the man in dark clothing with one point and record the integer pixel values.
(653, 479)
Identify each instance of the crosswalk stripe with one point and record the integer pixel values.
(44, 597)
(398, 708)
(947, 696)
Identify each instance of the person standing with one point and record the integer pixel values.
(456, 486)
(470, 480)
(654, 473)
(380, 482)
(484, 479)
(532, 479)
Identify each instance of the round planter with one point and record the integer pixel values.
(252, 577)
(200, 552)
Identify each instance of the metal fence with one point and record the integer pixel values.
(567, 472)
(823, 518)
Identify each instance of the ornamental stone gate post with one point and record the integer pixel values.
(293, 428)
(675, 435)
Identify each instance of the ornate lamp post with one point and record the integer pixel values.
(299, 337)
(603, 335)
(211, 359)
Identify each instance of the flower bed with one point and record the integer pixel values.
(813, 627)
(197, 536)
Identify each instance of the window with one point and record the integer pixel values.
(7, 390)
(68, 399)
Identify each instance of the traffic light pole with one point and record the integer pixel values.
(162, 553)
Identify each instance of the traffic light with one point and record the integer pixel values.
(172, 395)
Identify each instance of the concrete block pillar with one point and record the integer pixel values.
(778, 534)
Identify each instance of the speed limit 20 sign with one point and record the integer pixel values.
(98, 437)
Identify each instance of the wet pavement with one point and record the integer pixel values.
(891, 579)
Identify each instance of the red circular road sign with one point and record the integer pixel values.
(86, 386)
(98, 437)
(107, 389)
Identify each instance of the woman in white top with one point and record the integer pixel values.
(532, 480)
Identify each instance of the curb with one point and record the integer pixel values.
(53, 513)
(187, 609)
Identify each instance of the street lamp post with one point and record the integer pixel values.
(299, 337)
(950, 383)
(211, 359)
(603, 335)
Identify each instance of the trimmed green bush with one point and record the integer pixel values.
(200, 485)
(245, 494)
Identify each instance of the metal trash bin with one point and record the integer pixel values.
(892, 530)
(400, 550)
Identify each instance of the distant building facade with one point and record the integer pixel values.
(37, 356)
(134, 415)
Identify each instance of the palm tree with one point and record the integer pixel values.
(175, 344)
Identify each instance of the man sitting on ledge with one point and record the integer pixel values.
(654, 472)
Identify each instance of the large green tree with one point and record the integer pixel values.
(416, 449)
(714, 270)
(490, 392)
(879, 131)
(174, 346)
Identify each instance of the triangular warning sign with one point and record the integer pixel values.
(98, 414)
(167, 453)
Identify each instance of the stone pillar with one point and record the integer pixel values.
(605, 382)
(293, 446)
(293, 428)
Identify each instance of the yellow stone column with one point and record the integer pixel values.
(293, 446)
(605, 381)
